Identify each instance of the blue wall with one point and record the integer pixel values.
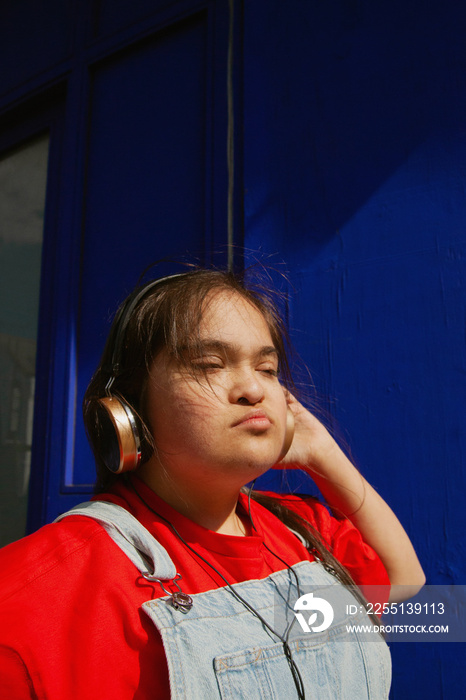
(355, 172)
(351, 139)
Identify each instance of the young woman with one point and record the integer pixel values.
(177, 580)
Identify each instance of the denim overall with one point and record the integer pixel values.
(220, 649)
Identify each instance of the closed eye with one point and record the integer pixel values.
(272, 372)
(207, 364)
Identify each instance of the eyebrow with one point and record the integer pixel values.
(213, 345)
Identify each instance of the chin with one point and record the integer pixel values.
(252, 465)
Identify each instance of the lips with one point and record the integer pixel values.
(255, 418)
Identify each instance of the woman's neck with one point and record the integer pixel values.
(212, 508)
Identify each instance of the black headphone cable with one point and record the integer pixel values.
(297, 678)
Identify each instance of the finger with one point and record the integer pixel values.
(288, 396)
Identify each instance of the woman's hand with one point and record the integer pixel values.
(312, 443)
(348, 493)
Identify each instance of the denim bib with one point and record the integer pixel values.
(220, 649)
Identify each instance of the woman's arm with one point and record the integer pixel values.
(348, 493)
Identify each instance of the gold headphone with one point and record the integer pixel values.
(119, 444)
(289, 433)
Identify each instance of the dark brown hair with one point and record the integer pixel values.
(168, 318)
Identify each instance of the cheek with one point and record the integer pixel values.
(182, 416)
(195, 402)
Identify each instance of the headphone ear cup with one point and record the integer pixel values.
(289, 432)
(119, 441)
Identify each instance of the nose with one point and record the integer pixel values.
(246, 388)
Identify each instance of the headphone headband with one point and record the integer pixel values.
(120, 443)
(121, 322)
(119, 439)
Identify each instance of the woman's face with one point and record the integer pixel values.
(225, 416)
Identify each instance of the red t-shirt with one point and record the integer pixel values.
(70, 618)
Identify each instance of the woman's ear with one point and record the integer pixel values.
(289, 433)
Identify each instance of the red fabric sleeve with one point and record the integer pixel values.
(15, 681)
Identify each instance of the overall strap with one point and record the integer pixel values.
(148, 555)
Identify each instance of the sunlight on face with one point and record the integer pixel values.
(225, 415)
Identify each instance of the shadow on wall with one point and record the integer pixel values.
(337, 100)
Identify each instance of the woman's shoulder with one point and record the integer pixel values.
(308, 507)
(341, 537)
(51, 552)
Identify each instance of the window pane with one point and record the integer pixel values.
(23, 174)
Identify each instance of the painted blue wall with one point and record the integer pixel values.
(352, 143)
(355, 173)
